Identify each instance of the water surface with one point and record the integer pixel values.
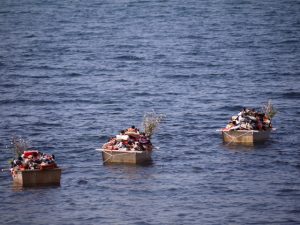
(73, 73)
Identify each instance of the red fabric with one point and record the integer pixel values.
(31, 152)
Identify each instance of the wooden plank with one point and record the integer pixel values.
(245, 136)
(130, 157)
(28, 178)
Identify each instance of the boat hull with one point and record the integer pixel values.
(128, 157)
(29, 178)
(245, 136)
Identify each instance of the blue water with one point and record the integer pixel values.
(73, 73)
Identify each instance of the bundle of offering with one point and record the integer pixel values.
(33, 160)
(32, 167)
(131, 145)
(130, 139)
(249, 119)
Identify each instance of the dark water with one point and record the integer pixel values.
(72, 73)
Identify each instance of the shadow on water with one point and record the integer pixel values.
(19, 188)
(130, 170)
(245, 147)
(118, 166)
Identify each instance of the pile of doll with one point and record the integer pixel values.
(249, 119)
(130, 139)
(32, 160)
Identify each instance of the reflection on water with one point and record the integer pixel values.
(241, 147)
(130, 171)
(238, 147)
(16, 187)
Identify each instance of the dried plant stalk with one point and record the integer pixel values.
(19, 145)
(151, 122)
(269, 109)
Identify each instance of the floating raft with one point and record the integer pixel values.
(29, 178)
(245, 136)
(128, 157)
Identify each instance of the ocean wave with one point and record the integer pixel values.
(291, 95)
(129, 58)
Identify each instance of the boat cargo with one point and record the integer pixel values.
(249, 126)
(34, 168)
(130, 146)
(128, 157)
(38, 177)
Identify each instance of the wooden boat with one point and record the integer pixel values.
(38, 177)
(123, 156)
(245, 136)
